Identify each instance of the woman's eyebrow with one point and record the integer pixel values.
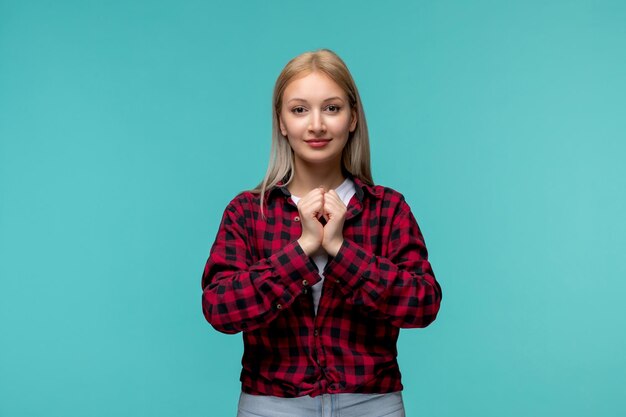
(325, 100)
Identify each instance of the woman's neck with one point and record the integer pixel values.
(306, 178)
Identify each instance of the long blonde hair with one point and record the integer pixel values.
(356, 154)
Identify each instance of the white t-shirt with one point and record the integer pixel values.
(345, 191)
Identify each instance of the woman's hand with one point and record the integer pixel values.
(335, 214)
(311, 208)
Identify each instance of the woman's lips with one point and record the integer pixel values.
(317, 143)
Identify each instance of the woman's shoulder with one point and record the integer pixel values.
(380, 191)
(387, 191)
(389, 198)
(244, 199)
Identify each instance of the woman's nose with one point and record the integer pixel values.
(316, 122)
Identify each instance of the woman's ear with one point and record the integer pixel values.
(283, 131)
(353, 120)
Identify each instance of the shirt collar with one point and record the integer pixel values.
(361, 188)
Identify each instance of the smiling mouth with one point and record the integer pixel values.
(317, 143)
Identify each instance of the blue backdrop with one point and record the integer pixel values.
(127, 126)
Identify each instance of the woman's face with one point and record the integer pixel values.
(317, 119)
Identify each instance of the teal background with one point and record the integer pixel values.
(126, 127)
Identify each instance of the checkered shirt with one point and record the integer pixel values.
(257, 281)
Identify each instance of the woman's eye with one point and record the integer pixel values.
(298, 110)
(332, 108)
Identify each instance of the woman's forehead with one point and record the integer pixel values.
(314, 86)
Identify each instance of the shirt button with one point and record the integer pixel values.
(279, 306)
(296, 219)
(316, 332)
(305, 282)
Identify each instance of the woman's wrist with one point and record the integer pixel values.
(332, 248)
(307, 246)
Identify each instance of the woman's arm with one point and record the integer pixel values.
(238, 295)
(401, 287)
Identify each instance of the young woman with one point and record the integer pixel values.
(317, 266)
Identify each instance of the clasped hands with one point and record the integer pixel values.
(314, 205)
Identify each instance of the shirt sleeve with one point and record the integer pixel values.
(239, 295)
(400, 287)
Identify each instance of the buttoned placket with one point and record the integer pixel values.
(318, 348)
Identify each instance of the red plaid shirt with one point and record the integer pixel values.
(257, 280)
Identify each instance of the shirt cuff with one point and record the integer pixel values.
(294, 269)
(350, 267)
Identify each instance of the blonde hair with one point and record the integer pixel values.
(356, 154)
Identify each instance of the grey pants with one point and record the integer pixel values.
(327, 405)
